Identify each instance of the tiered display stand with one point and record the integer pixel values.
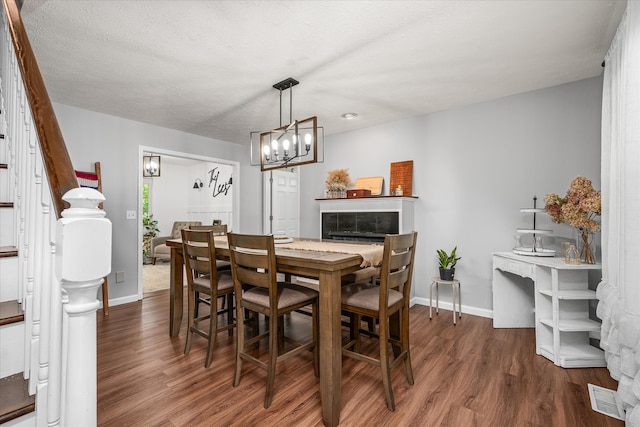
(533, 245)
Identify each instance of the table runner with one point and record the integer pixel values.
(371, 253)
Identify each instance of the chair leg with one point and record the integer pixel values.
(357, 319)
(191, 316)
(280, 333)
(105, 297)
(404, 333)
(153, 261)
(229, 300)
(213, 327)
(273, 358)
(239, 342)
(196, 309)
(384, 364)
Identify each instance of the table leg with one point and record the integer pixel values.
(330, 347)
(176, 291)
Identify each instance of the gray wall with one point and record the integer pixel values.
(114, 142)
(474, 168)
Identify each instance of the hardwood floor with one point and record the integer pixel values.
(465, 375)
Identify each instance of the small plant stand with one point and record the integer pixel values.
(454, 284)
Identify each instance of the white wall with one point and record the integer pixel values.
(173, 197)
(474, 168)
(115, 142)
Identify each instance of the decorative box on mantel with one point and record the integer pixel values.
(355, 193)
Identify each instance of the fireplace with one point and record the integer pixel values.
(361, 226)
(365, 219)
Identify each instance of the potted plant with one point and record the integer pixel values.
(150, 231)
(447, 263)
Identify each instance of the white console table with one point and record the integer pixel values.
(553, 297)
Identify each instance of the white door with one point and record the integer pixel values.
(282, 202)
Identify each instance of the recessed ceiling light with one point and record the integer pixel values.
(349, 116)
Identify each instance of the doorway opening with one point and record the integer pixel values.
(172, 197)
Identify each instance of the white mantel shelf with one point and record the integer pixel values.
(370, 198)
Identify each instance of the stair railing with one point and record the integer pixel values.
(63, 240)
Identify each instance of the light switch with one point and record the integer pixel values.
(131, 214)
(119, 276)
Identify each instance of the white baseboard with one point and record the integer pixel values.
(476, 311)
(123, 300)
(28, 420)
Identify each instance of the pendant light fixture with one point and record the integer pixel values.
(293, 144)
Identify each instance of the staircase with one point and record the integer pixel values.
(15, 401)
(55, 248)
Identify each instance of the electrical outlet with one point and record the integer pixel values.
(119, 276)
(131, 214)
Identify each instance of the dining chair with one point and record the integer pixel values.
(253, 264)
(381, 302)
(218, 230)
(203, 278)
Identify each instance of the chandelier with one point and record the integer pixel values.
(288, 145)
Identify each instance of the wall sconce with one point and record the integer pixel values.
(151, 166)
(197, 185)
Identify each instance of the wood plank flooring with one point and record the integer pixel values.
(465, 375)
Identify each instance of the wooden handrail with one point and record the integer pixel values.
(56, 158)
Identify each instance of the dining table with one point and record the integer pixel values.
(306, 258)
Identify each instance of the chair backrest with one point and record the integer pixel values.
(218, 230)
(179, 225)
(91, 179)
(199, 254)
(397, 265)
(253, 262)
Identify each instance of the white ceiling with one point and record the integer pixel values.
(207, 67)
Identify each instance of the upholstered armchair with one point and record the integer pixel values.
(159, 248)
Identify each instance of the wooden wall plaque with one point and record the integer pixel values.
(401, 174)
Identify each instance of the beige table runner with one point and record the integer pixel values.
(371, 254)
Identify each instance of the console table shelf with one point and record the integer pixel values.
(553, 297)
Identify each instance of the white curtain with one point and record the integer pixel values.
(619, 291)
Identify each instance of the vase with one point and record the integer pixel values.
(586, 245)
(336, 194)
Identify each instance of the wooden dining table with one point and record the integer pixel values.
(328, 268)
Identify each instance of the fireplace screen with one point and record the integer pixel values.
(361, 226)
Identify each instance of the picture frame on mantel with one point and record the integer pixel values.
(401, 175)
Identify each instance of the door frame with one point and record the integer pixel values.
(162, 151)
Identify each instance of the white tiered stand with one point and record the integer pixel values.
(536, 248)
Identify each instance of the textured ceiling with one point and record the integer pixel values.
(207, 67)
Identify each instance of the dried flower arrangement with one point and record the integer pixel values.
(338, 180)
(579, 209)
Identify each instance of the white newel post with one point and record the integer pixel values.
(83, 258)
